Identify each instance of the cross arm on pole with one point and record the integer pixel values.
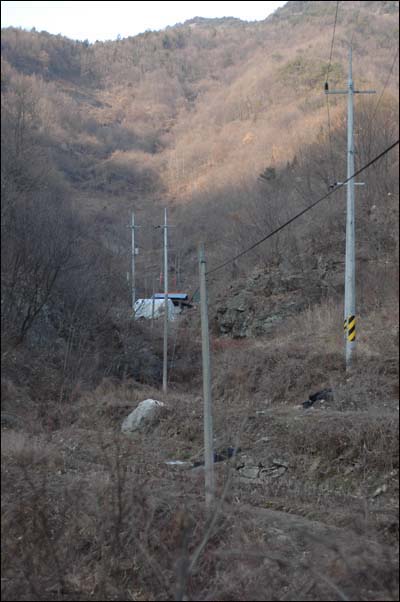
(355, 183)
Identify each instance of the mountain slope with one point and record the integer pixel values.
(211, 100)
(226, 124)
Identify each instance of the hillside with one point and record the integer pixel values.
(198, 111)
(226, 124)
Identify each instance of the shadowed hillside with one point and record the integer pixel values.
(200, 108)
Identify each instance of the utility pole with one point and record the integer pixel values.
(208, 428)
(152, 301)
(165, 352)
(133, 253)
(350, 267)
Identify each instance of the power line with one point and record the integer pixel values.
(292, 219)
(371, 119)
(333, 40)
(385, 85)
(327, 97)
(330, 139)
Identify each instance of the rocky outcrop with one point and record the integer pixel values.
(256, 306)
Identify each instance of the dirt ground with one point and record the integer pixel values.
(306, 510)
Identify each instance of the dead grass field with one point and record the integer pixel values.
(308, 510)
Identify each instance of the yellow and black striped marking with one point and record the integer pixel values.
(350, 328)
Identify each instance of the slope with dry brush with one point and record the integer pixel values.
(308, 510)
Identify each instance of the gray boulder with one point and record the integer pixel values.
(145, 415)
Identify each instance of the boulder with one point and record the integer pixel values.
(145, 415)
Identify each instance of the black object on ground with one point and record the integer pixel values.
(324, 395)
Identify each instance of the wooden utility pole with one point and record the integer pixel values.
(208, 428)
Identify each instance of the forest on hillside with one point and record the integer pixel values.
(225, 123)
(188, 117)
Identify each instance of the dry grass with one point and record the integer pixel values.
(90, 514)
(122, 531)
(29, 450)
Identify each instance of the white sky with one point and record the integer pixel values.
(104, 20)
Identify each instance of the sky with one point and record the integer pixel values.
(105, 20)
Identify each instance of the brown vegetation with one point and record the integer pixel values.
(225, 122)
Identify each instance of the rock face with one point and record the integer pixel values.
(258, 305)
(146, 414)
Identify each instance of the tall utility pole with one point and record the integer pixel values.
(165, 353)
(350, 262)
(208, 428)
(133, 253)
(152, 301)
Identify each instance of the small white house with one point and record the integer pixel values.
(148, 308)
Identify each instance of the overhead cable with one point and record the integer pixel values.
(327, 96)
(295, 217)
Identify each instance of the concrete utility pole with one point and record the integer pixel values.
(350, 267)
(152, 301)
(133, 253)
(165, 353)
(208, 427)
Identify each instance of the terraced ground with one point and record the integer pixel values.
(307, 510)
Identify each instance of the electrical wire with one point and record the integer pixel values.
(327, 95)
(291, 220)
(385, 85)
(295, 217)
(333, 41)
(333, 171)
(371, 119)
